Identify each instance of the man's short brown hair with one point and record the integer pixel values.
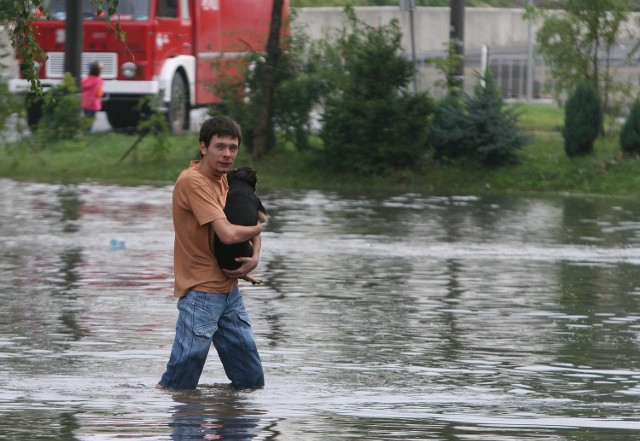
(220, 125)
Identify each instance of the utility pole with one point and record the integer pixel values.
(455, 80)
(73, 40)
(410, 5)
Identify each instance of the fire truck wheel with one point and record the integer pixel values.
(122, 115)
(33, 105)
(178, 114)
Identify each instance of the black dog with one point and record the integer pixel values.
(242, 207)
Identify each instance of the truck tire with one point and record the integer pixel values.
(122, 115)
(178, 114)
(33, 106)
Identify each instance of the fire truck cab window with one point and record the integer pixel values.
(168, 8)
(127, 10)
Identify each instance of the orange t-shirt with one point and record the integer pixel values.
(198, 200)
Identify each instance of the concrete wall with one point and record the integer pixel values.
(504, 31)
(494, 27)
(8, 65)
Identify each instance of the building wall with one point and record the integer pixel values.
(501, 28)
(490, 26)
(8, 65)
(504, 31)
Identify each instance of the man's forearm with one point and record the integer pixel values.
(230, 234)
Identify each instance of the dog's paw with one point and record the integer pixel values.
(254, 280)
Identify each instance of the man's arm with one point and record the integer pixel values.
(229, 233)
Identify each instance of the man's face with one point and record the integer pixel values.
(220, 154)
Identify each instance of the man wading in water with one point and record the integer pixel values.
(210, 304)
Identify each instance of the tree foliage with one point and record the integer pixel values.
(578, 42)
(299, 88)
(449, 135)
(477, 127)
(495, 132)
(355, 82)
(372, 124)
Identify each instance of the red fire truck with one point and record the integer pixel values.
(168, 53)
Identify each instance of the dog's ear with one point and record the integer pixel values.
(252, 177)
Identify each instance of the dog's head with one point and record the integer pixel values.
(241, 178)
(244, 174)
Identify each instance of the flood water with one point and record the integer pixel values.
(382, 317)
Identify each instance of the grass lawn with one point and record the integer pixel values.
(544, 167)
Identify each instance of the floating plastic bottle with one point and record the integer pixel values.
(117, 244)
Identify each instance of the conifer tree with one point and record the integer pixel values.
(582, 120)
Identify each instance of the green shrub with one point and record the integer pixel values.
(493, 128)
(582, 121)
(61, 117)
(479, 127)
(449, 134)
(372, 124)
(630, 133)
(10, 104)
(155, 124)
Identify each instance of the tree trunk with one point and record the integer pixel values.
(74, 41)
(264, 125)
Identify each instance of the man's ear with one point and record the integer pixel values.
(203, 148)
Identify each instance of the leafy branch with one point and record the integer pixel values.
(24, 31)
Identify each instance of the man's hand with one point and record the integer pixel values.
(248, 265)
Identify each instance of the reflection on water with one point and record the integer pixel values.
(222, 415)
(382, 317)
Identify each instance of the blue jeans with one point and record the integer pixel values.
(220, 319)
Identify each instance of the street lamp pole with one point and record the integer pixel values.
(410, 5)
(530, 58)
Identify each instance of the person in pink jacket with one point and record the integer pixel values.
(92, 92)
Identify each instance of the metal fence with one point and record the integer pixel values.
(511, 71)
